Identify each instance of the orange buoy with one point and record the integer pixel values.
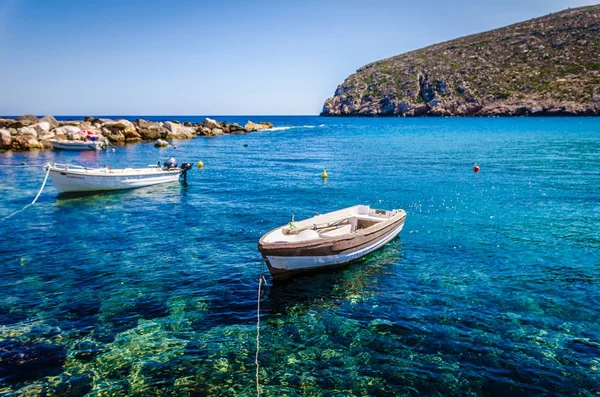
(476, 168)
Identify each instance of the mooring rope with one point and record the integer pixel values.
(34, 200)
(261, 280)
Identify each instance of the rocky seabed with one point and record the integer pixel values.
(31, 133)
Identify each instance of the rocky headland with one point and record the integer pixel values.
(542, 67)
(30, 133)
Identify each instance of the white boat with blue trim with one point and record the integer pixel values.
(79, 145)
(330, 240)
(74, 178)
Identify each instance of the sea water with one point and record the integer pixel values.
(492, 288)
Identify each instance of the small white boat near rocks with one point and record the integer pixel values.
(74, 178)
(329, 240)
(78, 145)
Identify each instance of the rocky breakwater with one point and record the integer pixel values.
(30, 132)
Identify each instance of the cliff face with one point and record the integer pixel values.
(545, 66)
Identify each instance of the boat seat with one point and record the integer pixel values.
(336, 231)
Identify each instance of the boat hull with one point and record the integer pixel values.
(66, 181)
(73, 145)
(287, 260)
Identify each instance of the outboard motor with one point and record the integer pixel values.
(184, 169)
(170, 164)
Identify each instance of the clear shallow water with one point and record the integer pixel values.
(491, 289)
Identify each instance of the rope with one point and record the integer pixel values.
(34, 200)
(261, 280)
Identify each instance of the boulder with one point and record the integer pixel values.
(204, 131)
(50, 120)
(210, 123)
(235, 128)
(250, 126)
(26, 120)
(41, 127)
(178, 131)
(68, 131)
(26, 142)
(216, 131)
(225, 127)
(69, 122)
(4, 123)
(5, 138)
(161, 143)
(27, 131)
(120, 131)
(150, 130)
(86, 126)
(44, 136)
(112, 135)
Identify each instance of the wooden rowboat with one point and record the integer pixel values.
(329, 240)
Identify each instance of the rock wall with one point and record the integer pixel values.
(29, 133)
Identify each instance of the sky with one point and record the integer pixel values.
(151, 57)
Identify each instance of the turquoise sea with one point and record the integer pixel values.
(491, 289)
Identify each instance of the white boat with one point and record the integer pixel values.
(78, 145)
(329, 240)
(74, 178)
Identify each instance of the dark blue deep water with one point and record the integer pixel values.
(492, 287)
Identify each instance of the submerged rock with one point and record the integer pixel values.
(23, 361)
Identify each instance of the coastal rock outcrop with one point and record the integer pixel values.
(29, 133)
(546, 66)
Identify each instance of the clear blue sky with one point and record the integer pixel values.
(150, 57)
